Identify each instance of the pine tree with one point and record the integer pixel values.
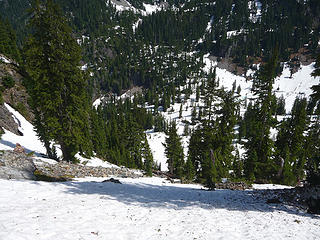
(290, 144)
(259, 155)
(237, 166)
(180, 111)
(210, 148)
(189, 170)
(8, 45)
(56, 85)
(174, 152)
(147, 157)
(312, 148)
(316, 88)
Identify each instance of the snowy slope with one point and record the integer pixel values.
(145, 208)
(29, 140)
(123, 5)
(31, 143)
(299, 84)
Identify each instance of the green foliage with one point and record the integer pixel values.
(313, 152)
(118, 136)
(8, 45)
(210, 148)
(291, 142)
(8, 81)
(237, 166)
(259, 163)
(57, 86)
(174, 152)
(22, 109)
(281, 104)
(316, 88)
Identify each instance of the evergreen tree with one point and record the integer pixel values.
(259, 156)
(180, 111)
(148, 158)
(290, 144)
(210, 148)
(189, 170)
(56, 85)
(8, 45)
(313, 152)
(316, 88)
(281, 106)
(174, 152)
(237, 166)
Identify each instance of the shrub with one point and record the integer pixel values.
(8, 82)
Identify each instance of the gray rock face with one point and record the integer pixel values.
(7, 121)
(69, 170)
(16, 166)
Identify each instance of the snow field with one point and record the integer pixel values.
(145, 208)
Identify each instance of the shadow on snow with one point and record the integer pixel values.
(178, 198)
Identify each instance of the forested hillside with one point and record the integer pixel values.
(170, 54)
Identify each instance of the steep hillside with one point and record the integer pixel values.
(211, 83)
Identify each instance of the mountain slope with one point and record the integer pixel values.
(145, 208)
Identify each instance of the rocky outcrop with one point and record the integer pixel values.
(16, 166)
(233, 186)
(306, 198)
(7, 121)
(16, 96)
(68, 171)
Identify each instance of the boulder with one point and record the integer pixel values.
(15, 165)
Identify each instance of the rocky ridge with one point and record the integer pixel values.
(15, 165)
(69, 170)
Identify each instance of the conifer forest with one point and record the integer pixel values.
(101, 77)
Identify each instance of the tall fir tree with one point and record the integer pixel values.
(210, 148)
(290, 144)
(259, 162)
(313, 151)
(8, 45)
(316, 88)
(56, 84)
(174, 152)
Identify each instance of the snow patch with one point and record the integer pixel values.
(4, 59)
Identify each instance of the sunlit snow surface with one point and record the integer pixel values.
(29, 140)
(145, 208)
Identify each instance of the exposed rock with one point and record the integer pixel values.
(112, 180)
(273, 201)
(19, 148)
(65, 170)
(233, 185)
(314, 205)
(16, 96)
(7, 121)
(16, 166)
(306, 198)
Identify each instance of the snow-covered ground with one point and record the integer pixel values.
(145, 208)
(29, 140)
